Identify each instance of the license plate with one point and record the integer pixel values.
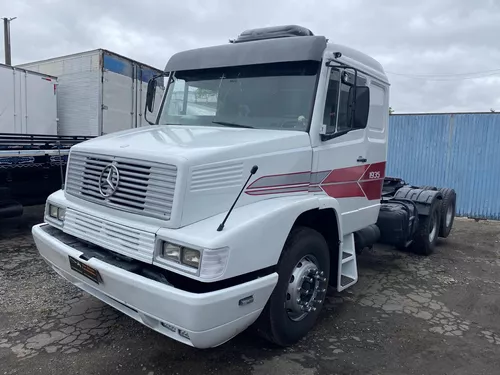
(85, 270)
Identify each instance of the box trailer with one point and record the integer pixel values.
(99, 92)
(28, 102)
(32, 155)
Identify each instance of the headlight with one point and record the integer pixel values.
(206, 263)
(57, 213)
(191, 257)
(53, 211)
(61, 213)
(183, 255)
(171, 252)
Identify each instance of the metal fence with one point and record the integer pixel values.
(461, 151)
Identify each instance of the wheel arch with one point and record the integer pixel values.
(325, 221)
(328, 223)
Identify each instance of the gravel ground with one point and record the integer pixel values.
(406, 315)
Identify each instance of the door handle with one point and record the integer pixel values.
(361, 160)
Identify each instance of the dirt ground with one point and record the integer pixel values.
(406, 315)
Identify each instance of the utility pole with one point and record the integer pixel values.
(6, 39)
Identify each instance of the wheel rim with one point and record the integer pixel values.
(449, 215)
(433, 230)
(306, 288)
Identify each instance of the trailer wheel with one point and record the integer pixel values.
(448, 205)
(427, 232)
(298, 297)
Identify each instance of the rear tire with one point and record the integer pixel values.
(282, 321)
(426, 236)
(448, 207)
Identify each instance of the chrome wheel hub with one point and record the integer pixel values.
(306, 288)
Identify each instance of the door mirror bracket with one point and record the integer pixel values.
(328, 136)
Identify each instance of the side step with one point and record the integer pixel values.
(348, 268)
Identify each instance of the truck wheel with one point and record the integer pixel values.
(448, 205)
(299, 295)
(427, 187)
(427, 232)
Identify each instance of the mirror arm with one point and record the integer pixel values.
(146, 117)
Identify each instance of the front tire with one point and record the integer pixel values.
(297, 299)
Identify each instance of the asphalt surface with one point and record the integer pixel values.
(406, 315)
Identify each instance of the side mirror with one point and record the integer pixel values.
(361, 106)
(150, 94)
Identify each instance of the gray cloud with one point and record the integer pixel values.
(427, 37)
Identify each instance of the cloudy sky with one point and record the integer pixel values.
(440, 55)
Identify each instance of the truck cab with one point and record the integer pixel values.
(245, 199)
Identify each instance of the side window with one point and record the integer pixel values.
(331, 102)
(177, 97)
(337, 114)
(343, 122)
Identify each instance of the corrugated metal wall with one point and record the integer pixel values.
(461, 151)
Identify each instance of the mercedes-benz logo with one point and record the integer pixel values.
(109, 180)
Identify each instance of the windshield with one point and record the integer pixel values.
(268, 96)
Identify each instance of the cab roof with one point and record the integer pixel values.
(270, 45)
(262, 51)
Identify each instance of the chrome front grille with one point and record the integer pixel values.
(144, 187)
(115, 237)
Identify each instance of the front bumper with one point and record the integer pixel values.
(210, 319)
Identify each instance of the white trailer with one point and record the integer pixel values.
(28, 102)
(99, 91)
(32, 156)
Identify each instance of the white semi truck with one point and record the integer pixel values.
(261, 179)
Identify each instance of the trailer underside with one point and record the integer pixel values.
(31, 168)
(410, 217)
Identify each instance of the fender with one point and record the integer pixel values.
(423, 199)
(254, 233)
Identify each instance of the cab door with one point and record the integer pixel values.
(345, 167)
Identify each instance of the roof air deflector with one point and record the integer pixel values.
(272, 32)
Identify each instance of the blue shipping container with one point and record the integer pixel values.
(460, 151)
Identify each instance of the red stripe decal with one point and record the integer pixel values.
(279, 180)
(344, 190)
(357, 181)
(372, 189)
(374, 171)
(345, 174)
(278, 190)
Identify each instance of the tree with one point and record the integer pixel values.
(492, 110)
(391, 111)
(202, 93)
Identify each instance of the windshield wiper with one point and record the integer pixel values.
(231, 124)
